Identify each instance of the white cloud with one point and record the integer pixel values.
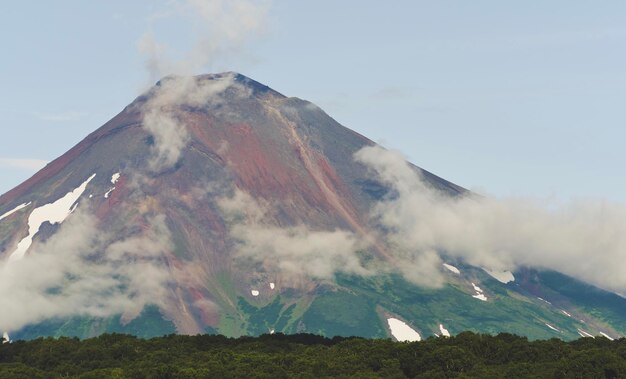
(163, 119)
(392, 93)
(297, 252)
(583, 239)
(61, 116)
(220, 30)
(23, 164)
(83, 271)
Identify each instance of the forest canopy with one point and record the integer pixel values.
(311, 356)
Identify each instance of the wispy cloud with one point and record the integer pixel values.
(531, 40)
(567, 37)
(23, 164)
(222, 29)
(160, 114)
(61, 116)
(295, 253)
(392, 93)
(583, 239)
(82, 270)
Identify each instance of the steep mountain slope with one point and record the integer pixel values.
(216, 204)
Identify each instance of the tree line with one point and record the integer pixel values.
(310, 356)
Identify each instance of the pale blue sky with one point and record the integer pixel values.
(514, 98)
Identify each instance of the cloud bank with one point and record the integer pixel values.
(583, 239)
(297, 252)
(82, 271)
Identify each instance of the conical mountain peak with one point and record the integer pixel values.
(215, 204)
(222, 78)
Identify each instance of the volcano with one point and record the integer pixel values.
(215, 204)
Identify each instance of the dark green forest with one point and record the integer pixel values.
(466, 355)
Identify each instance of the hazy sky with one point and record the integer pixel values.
(512, 98)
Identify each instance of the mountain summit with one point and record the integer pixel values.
(216, 204)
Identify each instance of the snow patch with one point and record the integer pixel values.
(444, 331)
(584, 334)
(18, 208)
(480, 297)
(544, 300)
(479, 293)
(501, 276)
(54, 213)
(452, 268)
(106, 195)
(552, 327)
(114, 180)
(272, 285)
(6, 338)
(566, 314)
(402, 332)
(255, 293)
(607, 336)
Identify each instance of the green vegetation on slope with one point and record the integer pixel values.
(310, 356)
(603, 305)
(454, 307)
(150, 323)
(359, 306)
(340, 313)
